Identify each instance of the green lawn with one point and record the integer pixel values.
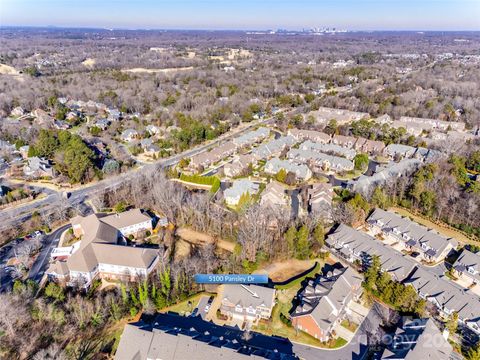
(349, 175)
(339, 342)
(185, 307)
(347, 324)
(275, 326)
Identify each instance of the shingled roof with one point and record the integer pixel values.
(414, 341)
(325, 296)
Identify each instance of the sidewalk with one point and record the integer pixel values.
(343, 332)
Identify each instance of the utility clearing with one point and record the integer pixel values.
(8, 70)
(282, 271)
(202, 239)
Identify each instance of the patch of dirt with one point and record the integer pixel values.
(202, 239)
(8, 70)
(281, 271)
(156, 71)
(182, 249)
(89, 62)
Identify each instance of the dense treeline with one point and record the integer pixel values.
(55, 323)
(273, 71)
(71, 156)
(442, 191)
(402, 297)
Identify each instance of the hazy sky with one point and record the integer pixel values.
(246, 14)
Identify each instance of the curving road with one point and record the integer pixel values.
(14, 216)
(49, 242)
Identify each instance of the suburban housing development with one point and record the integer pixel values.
(447, 297)
(271, 194)
(411, 236)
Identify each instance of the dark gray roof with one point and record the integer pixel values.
(419, 339)
(174, 337)
(409, 230)
(468, 263)
(356, 244)
(446, 295)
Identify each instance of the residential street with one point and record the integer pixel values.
(13, 216)
(49, 242)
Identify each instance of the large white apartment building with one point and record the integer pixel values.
(102, 253)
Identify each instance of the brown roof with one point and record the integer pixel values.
(58, 267)
(96, 230)
(86, 259)
(343, 140)
(100, 242)
(124, 255)
(83, 260)
(126, 218)
(214, 155)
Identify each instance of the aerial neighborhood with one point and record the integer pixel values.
(275, 194)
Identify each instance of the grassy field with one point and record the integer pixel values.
(186, 306)
(444, 230)
(298, 281)
(349, 175)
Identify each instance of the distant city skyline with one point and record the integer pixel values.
(447, 15)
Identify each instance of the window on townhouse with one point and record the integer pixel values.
(251, 310)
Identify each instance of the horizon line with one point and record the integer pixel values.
(96, 27)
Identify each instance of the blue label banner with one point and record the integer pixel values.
(231, 279)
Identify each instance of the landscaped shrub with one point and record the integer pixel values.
(213, 181)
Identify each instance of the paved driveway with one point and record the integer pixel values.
(343, 332)
(40, 265)
(201, 306)
(212, 313)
